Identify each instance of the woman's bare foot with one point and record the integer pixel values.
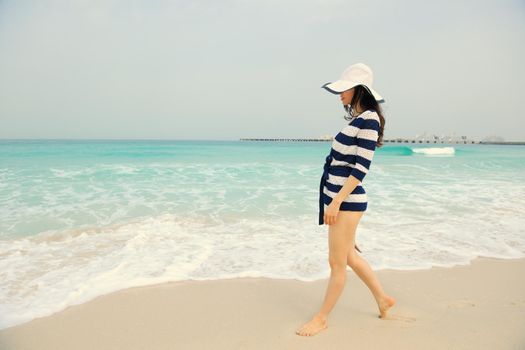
(384, 304)
(316, 324)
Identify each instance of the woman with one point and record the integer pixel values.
(342, 192)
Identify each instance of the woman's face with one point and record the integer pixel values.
(346, 96)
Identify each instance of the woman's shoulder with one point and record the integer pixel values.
(361, 119)
(369, 120)
(370, 114)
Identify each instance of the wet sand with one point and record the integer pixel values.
(479, 306)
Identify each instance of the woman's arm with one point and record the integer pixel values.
(332, 210)
(366, 144)
(349, 186)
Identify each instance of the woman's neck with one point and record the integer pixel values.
(359, 109)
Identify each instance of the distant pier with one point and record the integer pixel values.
(330, 139)
(294, 140)
(503, 143)
(431, 141)
(397, 140)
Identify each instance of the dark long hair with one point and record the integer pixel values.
(367, 101)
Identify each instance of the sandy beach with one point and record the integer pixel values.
(479, 306)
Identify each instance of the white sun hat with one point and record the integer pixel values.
(356, 74)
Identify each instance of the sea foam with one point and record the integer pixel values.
(433, 151)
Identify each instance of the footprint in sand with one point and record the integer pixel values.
(518, 303)
(461, 303)
(406, 319)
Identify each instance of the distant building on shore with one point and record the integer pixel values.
(493, 138)
(326, 137)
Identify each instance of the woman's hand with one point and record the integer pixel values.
(330, 214)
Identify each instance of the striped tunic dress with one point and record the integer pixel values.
(350, 155)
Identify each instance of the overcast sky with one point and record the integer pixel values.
(189, 69)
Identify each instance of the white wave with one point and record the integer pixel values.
(434, 150)
(46, 273)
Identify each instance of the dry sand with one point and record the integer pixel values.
(480, 306)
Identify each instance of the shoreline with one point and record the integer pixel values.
(464, 306)
(318, 278)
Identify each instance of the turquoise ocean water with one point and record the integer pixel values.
(83, 218)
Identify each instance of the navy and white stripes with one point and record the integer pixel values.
(351, 155)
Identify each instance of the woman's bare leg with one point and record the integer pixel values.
(340, 239)
(365, 272)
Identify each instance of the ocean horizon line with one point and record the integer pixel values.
(397, 140)
(110, 139)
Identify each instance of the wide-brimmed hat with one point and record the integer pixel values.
(356, 74)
